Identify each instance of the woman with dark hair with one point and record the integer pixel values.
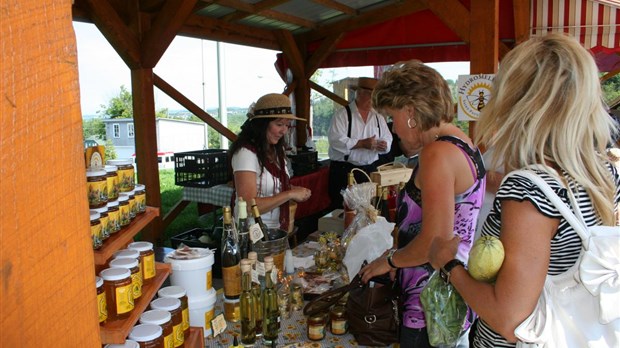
(259, 161)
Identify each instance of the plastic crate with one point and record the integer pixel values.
(304, 162)
(190, 238)
(203, 168)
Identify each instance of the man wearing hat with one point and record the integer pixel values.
(357, 135)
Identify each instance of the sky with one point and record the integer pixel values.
(190, 66)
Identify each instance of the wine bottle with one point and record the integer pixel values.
(243, 228)
(376, 200)
(248, 319)
(257, 292)
(259, 220)
(349, 213)
(271, 313)
(385, 208)
(231, 270)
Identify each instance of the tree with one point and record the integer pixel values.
(611, 88)
(120, 106)
(94, 128)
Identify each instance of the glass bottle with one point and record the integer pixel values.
(259, 220)
(231, 270)
(349, 214)
(271, 313)
(248, 320)
(257, 292)
(243, 228)
(376, 200)
(385, 208)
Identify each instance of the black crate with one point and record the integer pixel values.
(190, 238)
(304, 162)
(203, 168)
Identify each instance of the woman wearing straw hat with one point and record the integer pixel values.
(259, 161)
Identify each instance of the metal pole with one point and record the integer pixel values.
(221, 89)
(204, 107)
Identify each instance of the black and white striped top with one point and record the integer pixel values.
(565, 245)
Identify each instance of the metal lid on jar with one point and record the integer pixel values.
(145, 332)
(120, 162)
(126, 254)
(124, 263)
(110, 169)
(112, 204)
(127, 344)
(102, 210)
(166, 303)
(99, 281)
(123, 198)
(141, 246)
(94, 216)
(172, 291)
(94, 172)
(339, 310)
(115, 273)
(155, 317)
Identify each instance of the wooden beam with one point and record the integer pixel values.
(329, 94)
(173, 213)
(302, 109)
(610, 75)
(193, 108)
(453, 14)
(255, 9)
(163, 30)
(365, 19)
(290, 88)
(335, 5)
(235, 4)
(291, 52)
(521, 13)
(217, 30)
(244, 12)
(327, 47)
(124, 42)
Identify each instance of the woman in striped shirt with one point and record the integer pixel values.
(546, 109)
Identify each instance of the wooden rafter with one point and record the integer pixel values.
(291, 52)
(329, 94)
(325, 49)
(263, 9)
(521, 14)
(335, 5)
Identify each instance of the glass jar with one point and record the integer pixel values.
(123, 207)
(112, 182)
(147, 336)
(232, 311)
(136, 276)
(140, 196)
(338, 320)
(125, 171)
(101, 304)
(129, 254)
(118, 292)
(297, 297)
(172, 305)
(104, 219)
(95, 229)
(179, 293)
(163, 319)
(147, 259)
(97, 188)
(316, 327)
(133, 208)
(114, 217)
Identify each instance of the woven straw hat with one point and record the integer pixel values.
(273, 105)
(365, 83)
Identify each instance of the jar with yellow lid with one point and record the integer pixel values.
(123, 208)
(97, 188)
(164, 320)
(118, 292)
(172, 305)
(338, 320)
(105, 222)
(95, 229)
(140, 197)
(136, 276)
(147, 257)
(125, 172)
(178, 292)
(114, 216)
(316, 326)
(102, 307)
(113, 183)
(148, 335)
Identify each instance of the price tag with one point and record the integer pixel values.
(274, 274)
(260, 268)
(256, 233)
(218, 324)
(255, 277)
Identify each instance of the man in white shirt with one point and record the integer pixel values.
(357, 135)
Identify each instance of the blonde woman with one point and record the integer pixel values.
(546, 109)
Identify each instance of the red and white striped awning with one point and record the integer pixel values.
(596, 24)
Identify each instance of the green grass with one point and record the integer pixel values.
(188, 219)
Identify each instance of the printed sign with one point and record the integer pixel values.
(473, 93)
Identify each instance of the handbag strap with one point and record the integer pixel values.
(578, 226)
(329, 298)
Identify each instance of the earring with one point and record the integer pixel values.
(415, 124)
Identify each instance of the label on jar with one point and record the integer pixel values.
(185, 314)
(149, 266)
(112, 182)
(316, 332)
(136, 284)
(95, 231)
(126, 179)
(169, 341)
(102, 306)
(208, 317)
(232, 283)
(140, 202)
(124, 299)
(97, 193)
(178, 335)
(105, 225)
(339, 326)
(114, 220)
(125, 217)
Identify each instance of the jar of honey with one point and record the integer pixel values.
(112, 182)
(164, 320)
(316, 326)
(97, 188)
(136, 275)
(148, 335)
(125, 171)
(123, 207)
(104, 219)
(133, 208)
(147, 258)
(140, 196)
(172, 305)
(101, 304)
(129, 254)
(338, 322)
(95, 229)
(114, 217)
(118, 292)
(179, 293)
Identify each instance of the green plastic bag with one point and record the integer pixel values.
(445, 312)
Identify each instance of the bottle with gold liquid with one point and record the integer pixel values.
(259, 220)
(271, 312)
(231, 270)
(248, 319)
(385, 207)
(257, 292)
(349, 214)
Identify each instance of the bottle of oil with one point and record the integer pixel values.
(231, 257)
(271, 313)
(248, 319)
(259, 220)
(257, 292)
(349, 213)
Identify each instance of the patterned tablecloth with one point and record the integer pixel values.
(218, 195)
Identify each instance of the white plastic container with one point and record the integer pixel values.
(202, 311)
(193, 274)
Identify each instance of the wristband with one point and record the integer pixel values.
(389, 258)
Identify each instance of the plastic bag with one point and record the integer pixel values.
(358, 197)
(445, 312)
(368, 244)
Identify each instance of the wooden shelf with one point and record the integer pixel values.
(121, 238)
(117, 331)
(196, 338)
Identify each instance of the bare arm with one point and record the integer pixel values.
(245, 185)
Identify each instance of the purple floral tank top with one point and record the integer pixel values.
(409, 220)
